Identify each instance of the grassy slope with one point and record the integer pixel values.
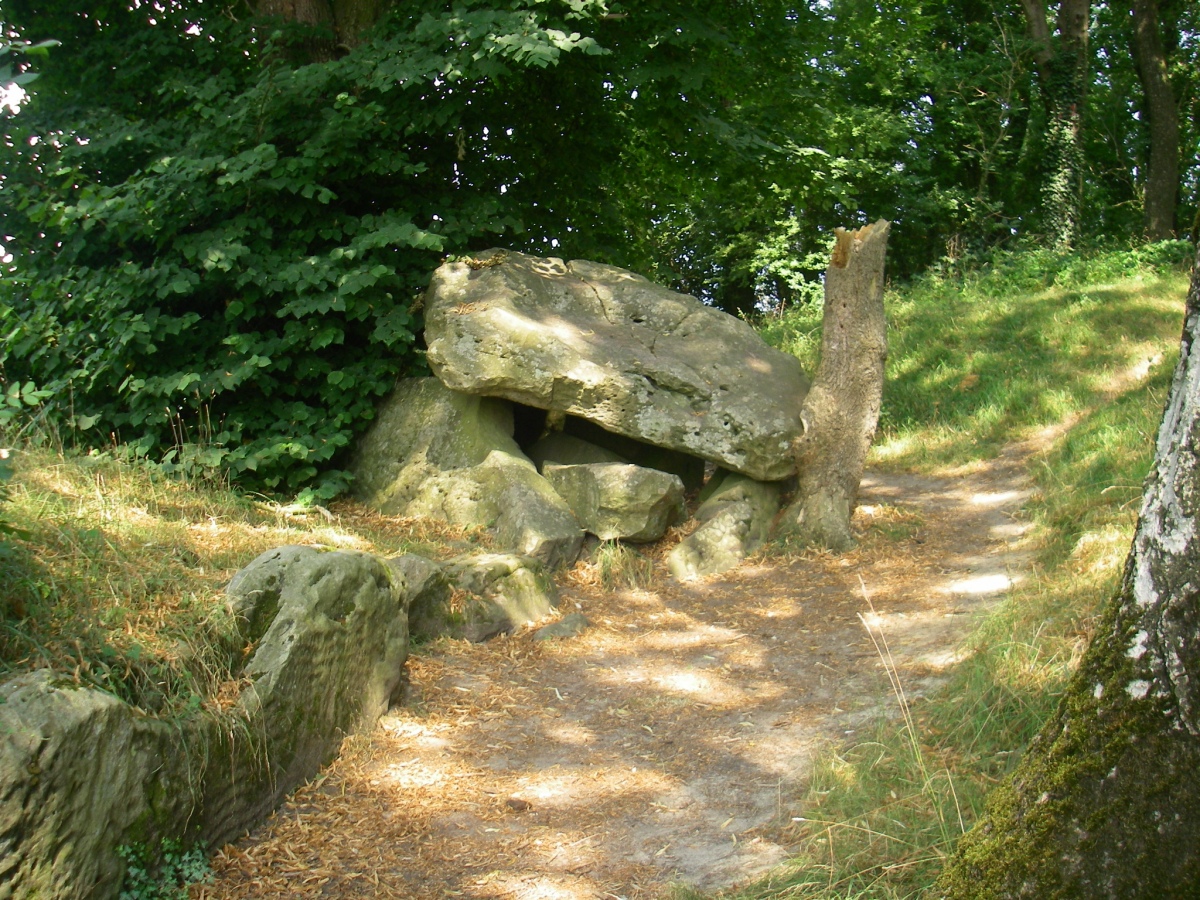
(979, 360)
(119, 579)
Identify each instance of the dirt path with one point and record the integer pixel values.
(660, 746)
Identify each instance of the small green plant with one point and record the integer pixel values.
(17, 400)
(620, 566)
(168, 877)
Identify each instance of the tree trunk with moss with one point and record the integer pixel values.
(1106, 802)
(1061, 59)
(842, 407)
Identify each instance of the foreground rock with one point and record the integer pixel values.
(474, 597)
(615, 501)
(449, 456)
(609, 346)
(82, 773)
(736, 519)
(331, 630)
(518, 585)
(79, 774)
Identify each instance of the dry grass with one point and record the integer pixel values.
(118, 579)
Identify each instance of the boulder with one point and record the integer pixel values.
(450, 456)
(564, 449)
(716, 546)
(726, 488)
(331, 635)
(614, 500)
(690, 469)
(736, 518)
(604, 344)
(80, 773)
(518, 586)
(438, 609)
(429, 592)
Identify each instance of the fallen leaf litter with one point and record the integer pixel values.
(666, 744)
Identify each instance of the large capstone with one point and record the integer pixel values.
(451, 456)
(609, 346)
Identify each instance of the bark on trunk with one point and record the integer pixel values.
(1162, 121)
(1062, 68)
(342, 21)
(1106, 802)
(842, 407)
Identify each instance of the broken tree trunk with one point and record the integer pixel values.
(842, 408)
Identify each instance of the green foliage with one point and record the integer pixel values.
(219, 235)
(247, 255)
(164, 875)
(16, 71)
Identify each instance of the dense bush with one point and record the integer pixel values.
(218, 265)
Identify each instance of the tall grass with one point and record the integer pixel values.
(1073, 350)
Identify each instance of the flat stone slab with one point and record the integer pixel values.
(607, 345)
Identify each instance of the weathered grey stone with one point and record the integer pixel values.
(612, 500)
(437, 610)
(736, 516)
(80, 774)
(518, 585)
(535, 521)
(328, 663)
(764, 498)
(690, 469)
(716, 546)
(570, 625)
(428, 591)
(605, 344)
(449, 456)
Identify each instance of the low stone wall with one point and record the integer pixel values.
(82, 773)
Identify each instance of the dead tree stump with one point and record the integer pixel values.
(842, 408)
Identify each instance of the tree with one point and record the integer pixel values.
(842, 407)
(1162, 114)
(1106, 801)
(1062, 66)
